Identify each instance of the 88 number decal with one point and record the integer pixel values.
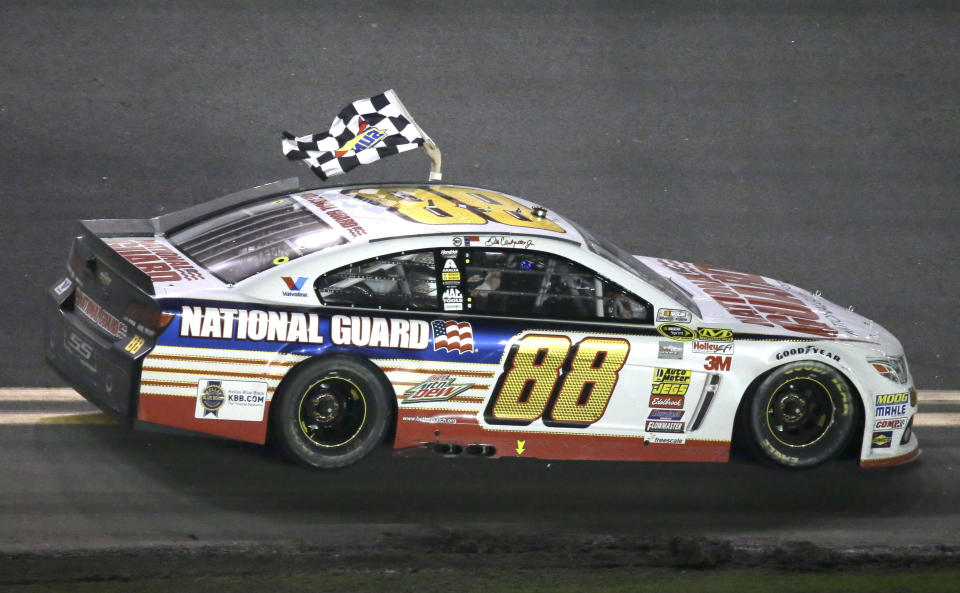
(565, 384)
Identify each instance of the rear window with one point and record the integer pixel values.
(241, 242)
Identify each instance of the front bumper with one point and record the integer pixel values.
(888, 436)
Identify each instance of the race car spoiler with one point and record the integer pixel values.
(93, 232)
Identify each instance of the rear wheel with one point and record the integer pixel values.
(801, 415)
(331, 413)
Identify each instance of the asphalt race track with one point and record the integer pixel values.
(815, 142)
(70, 478)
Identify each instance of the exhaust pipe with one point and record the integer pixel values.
(445, 449)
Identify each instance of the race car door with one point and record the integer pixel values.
(580, 360)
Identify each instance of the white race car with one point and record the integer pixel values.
(464, 320)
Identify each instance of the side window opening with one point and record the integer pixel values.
(534, 284)
(405, 281)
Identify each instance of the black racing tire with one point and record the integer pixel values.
(331, 412)
(801, 415)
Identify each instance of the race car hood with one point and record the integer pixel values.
(765, 305)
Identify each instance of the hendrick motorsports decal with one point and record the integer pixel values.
(231, 400)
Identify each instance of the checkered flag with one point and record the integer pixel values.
(365, 131)
(452, 336)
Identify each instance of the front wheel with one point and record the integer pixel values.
(331, 413)
(801, 415)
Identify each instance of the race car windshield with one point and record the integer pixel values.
(608, 250)
(244, 241)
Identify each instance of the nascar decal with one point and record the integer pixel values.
(156, 260)
(231, 400)
(673, 316)
(435, 388)
(673, 331)
(753, 300)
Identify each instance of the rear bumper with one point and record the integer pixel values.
(97, 368)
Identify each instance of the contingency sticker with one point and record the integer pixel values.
(231, 400)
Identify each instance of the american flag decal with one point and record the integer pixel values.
(452, 336)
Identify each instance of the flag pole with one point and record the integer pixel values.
(429, 146)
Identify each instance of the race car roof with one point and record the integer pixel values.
(370, 213)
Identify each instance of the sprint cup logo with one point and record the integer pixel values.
(436, 388)
(676, 332)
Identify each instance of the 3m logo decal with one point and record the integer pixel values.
(545, 377)
(717, 363)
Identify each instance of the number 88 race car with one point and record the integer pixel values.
(464, 320)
